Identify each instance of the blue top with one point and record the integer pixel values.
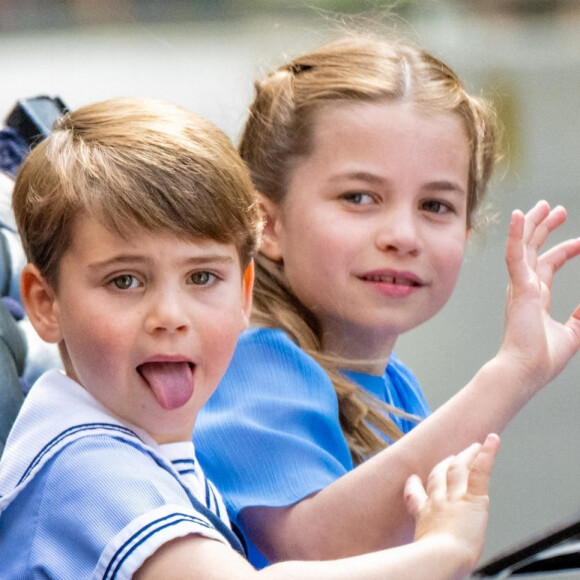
(84, 495)
(270, 435)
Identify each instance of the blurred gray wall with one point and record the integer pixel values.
(531, 67)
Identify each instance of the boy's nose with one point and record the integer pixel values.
(165, 312)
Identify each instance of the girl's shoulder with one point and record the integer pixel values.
(267, 337)
(262, 349)
(267, 364)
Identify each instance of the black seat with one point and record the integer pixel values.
(12, 359)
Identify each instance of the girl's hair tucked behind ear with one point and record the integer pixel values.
(278, 133)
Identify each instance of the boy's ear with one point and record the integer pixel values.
(247, 287)
(269, 245)
(39, 300)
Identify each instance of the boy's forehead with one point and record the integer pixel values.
(94, 238)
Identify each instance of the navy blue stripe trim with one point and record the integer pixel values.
(208, 496)
(143, 535)
(184, 471)
(211, 499)
(68, 433)
(192, 461)
(217, 523)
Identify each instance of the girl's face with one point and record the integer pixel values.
(373, 228)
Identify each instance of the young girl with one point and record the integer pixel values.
(371, 160)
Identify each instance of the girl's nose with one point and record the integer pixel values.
(166, 313)
(398, 232)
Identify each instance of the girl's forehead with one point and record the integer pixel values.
(342, 130)
(335, 114)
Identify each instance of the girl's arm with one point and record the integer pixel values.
(361, 511)
(451, 518)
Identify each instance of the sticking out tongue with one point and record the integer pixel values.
(171, 382)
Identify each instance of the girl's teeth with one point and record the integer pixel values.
(391, 280)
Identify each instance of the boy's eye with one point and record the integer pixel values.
(358, 198)
(436, 206)
(125, 282)
(202, 278)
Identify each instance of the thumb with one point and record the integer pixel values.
(415, 496)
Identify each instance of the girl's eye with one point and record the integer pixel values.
(125, 282)
(202, 278)
(436, 206)
(358, 198)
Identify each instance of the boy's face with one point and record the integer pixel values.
(149, 323)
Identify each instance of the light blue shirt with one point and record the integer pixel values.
(86, 496)
(270, 435)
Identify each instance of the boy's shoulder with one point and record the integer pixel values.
(100, 503)
(88, 481)
(56, 412)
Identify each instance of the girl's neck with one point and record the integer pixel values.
(361, 352)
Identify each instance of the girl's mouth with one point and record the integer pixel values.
(388, 279)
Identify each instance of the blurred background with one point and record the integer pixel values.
(522, 54)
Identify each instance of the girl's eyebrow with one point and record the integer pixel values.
(434, 186)
(360, 176)
(445, 185)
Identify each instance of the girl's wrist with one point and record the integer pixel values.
(519, 373)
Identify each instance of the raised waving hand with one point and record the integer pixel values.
(542, 345)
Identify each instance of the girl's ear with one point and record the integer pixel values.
(39, 299)
(247, 287)
(270, 246)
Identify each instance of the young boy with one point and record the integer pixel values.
(139, 223)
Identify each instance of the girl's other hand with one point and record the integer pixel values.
(454, 503)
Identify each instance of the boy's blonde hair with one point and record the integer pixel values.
(278, 133)
(134, 162)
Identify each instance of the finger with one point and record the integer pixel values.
(573, 327)
(556, 257)
(437, 480)
(514, 252)
(480, 470)
(555, 218)
(534, 218)
(415, 495)
(469, 453)
(457, 475)
(458, 470)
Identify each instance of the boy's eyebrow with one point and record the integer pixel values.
(140, 259)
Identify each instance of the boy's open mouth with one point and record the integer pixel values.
(171, 382)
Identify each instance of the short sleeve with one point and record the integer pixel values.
(404, 391)
(113, 505)
(397, 387)
(270, 434)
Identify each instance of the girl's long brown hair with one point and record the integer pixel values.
(278, 133)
